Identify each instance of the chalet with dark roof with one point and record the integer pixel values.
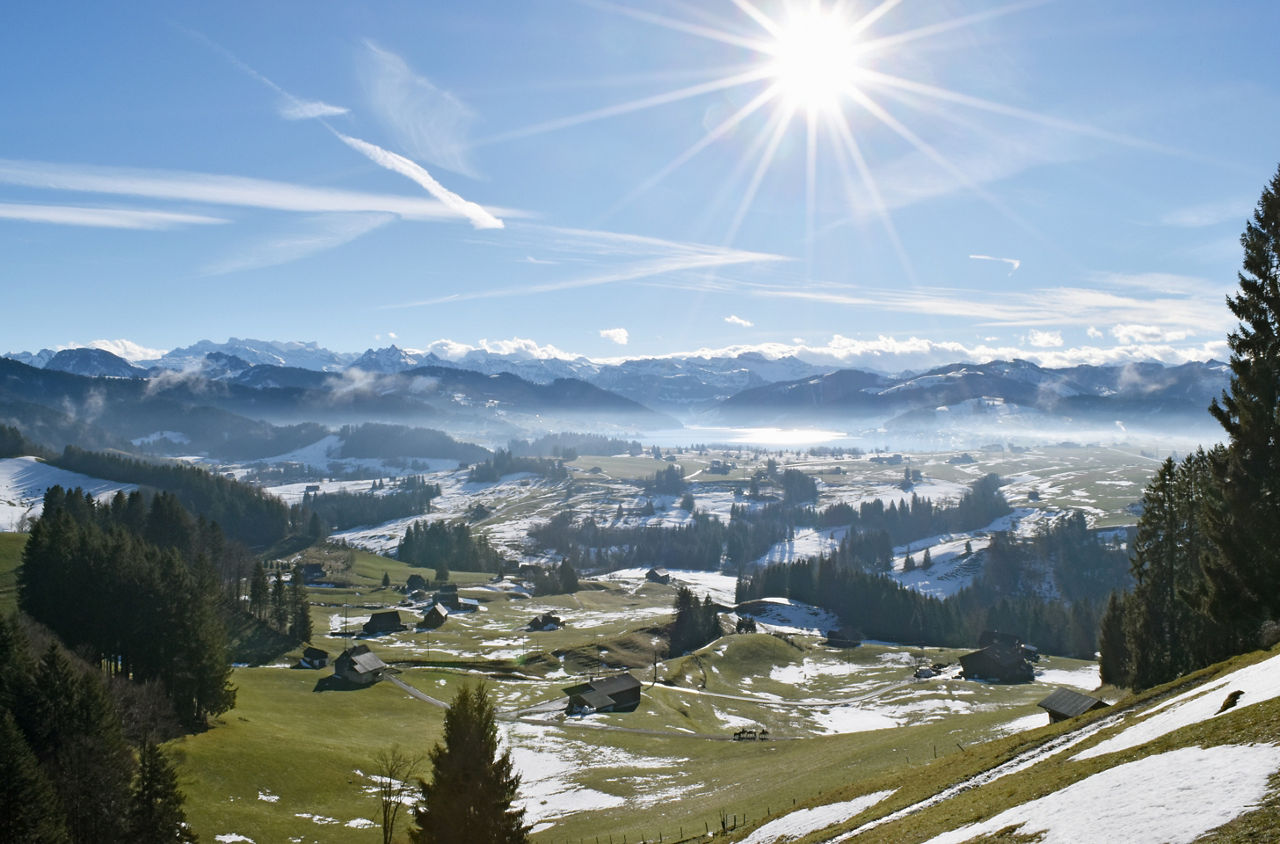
(620, 693)
(997, 662)
(1066, 703)
(361, 666)
(658, 575)
(314, 658)
(388, 621)
(433, 617)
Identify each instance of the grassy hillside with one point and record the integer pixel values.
(11, 545)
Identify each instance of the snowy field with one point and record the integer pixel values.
(24, 480)
(1182, 795)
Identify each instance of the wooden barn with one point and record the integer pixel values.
(314, 658)
(658, 575)
(361, 666)
(1066, 703)
(388, 621)
(434, 616)
(620, 693)
(997, 662)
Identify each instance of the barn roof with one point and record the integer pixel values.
(1069, 704)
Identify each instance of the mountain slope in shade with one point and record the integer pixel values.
(93, 363)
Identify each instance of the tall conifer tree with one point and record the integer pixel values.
(1243, 576)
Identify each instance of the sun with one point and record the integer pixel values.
(814, 59)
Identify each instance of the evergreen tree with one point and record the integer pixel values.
(259, 591)
(1243, 574)
(279, 604)
(568, 578)
(926, 562)
(156, 815)
(29, 812)
(386, 580)
(299, 607)
(472, 787)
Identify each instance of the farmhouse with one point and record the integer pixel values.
(546, 621)
(434, 616)
(997, 662)
(312, 572)
(450, 598)
(620, 693)
(314, 658)
(658, 575)
(1065, 703)
(361, 666)
(387, 621)
(1010, 641)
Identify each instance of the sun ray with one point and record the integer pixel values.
(753, 75)
(845, 133)
(901, 38)
(681, 26)
(861, 24)
(782, 119)
(810, 181)
(722, 129)
(903, 131)
(876, 77)
(767, 23)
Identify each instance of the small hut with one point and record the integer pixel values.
(361, 666)
(997, 662)
(433, 617)
(1066, 703)
(313, 657)
(620, 693)
(658, 575)
(388, 621)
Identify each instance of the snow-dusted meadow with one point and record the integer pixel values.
(24, 481)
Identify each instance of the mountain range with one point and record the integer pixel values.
(493, 396)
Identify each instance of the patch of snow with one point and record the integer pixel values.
(268, 797)
(231, 837)
(1259, 682)
(171, 436)
(783, 615)
(24, 480)
(320, 819)
(1085, 678)
(1018, 725)
(1184, 793)
(800, 823)
(360, 823)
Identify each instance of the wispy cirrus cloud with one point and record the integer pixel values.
(1013, 263)
(216, 189)
(111, 218)
(309, 109)
(619, 258)
(734, 319)
(1209, 214)
(430, 123)
(476, 214)
(319, 234)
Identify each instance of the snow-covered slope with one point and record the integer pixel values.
(23, 481)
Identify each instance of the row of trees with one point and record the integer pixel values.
(410, 496)
(284, 608)
(447, 546)
(505, 463)
(1206, 562)
(69, 770)
(131, 585)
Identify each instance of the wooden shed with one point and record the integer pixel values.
(997, 662)
(388, 621)
(658, 575)
(361, 666)
(1067, 703)
(620, 693)
(434, 616)
(313, 657)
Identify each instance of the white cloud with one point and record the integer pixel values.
(294, 109)
(431, 124)
(732, 319)
(320, 234)
(1044, 339)
(1094, 333)
(1013, 263)
(392, 335)
(1133, 333)
(215, 189)
(126, 349)
(479, 217)
(516, 346)
(111, 218)
(617, 335)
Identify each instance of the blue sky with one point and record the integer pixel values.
(884, 184)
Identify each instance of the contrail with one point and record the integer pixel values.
(479, 217)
